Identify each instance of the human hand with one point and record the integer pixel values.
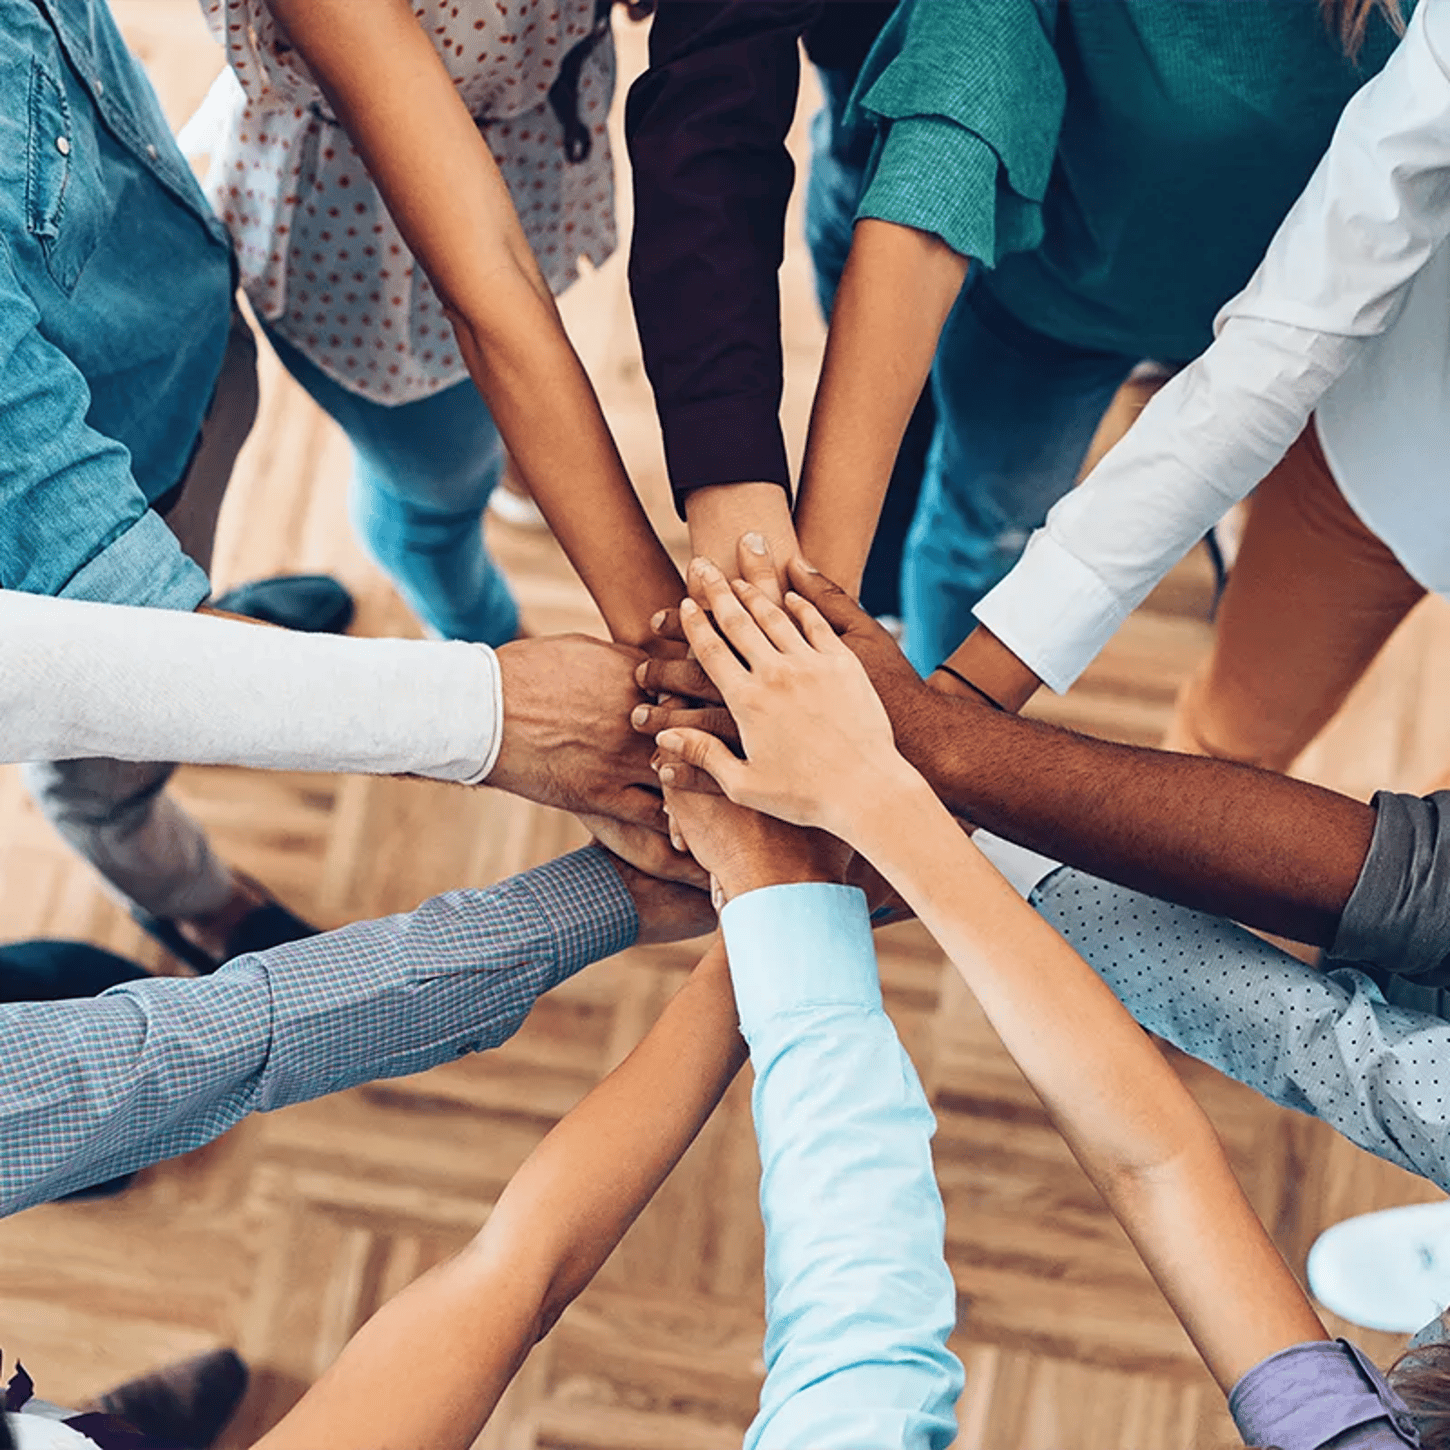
(723, 515)
(684, 694)
(567, 740)
(648, 850)
(817, 739)
(744, 850)
(667, 910)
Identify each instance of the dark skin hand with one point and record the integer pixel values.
(1273, 853)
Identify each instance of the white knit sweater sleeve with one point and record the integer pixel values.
(84, 680)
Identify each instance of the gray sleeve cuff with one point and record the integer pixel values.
(1398, 915)
(144, 565)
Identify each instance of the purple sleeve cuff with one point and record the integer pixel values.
(1307, 1395)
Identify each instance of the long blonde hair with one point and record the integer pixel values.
(1349, 19)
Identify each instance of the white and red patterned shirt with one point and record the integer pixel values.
(321, 259)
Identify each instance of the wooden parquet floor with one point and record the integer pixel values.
(282, 1237)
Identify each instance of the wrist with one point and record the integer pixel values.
(814, 857)
(720, 513)
(880, 817)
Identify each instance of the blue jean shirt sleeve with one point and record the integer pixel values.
(97, 1087)
(859, 1299)
(73, 519)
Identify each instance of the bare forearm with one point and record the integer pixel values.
(455, 1337)
(1274, 853)
(393, 95)
(1132, 1125)
(547, 412)
(897, 289)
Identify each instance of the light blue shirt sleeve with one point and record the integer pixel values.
(97, 1087)
(859, 1299)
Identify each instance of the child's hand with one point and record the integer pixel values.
(817, 741)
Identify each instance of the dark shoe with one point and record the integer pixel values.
(110, 1188)
(51, 971)
(312, 603)
(187, 1403)
(265, 926)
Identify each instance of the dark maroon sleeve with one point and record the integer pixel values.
(706, 126)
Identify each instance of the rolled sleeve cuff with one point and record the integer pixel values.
(907, 185)
(1308, 1394)
(1397, 917)
(145, 566)
(724, 440)
(800, 946)
(1053, 612)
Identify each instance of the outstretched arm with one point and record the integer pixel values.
(706, 126)
(897, 289)
(859, 1300)
(392, 93)
(818, 751)
(454, 1338)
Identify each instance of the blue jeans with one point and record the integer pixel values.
(422, 475)
(1016, 412)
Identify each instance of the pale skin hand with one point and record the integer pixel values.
(391, 92)
(720, 514)
(1130, 1122)
(427, 1370)
(780, 698)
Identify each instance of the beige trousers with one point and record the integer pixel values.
(1311, 600)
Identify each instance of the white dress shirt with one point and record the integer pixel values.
(1348, 313)
(80, 680)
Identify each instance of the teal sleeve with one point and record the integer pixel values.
(859, 1299)
(968, 99)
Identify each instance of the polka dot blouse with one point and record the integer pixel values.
(320, 257)
(1324, 1043)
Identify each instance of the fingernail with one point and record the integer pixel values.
(667, 774)
(807, 565)
(739, 585)
(668, 740)
(640, 715)
(755, 543)
(657, 621)
(707, 567)
(641, 670)
(688, 606)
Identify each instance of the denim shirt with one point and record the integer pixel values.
(115, 300)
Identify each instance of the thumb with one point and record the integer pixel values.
(706, 753)
(841, 612)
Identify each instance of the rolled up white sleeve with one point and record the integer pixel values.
(82, 680)
(1335, 275)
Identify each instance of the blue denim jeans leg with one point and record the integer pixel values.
(1016, 412)
(422, 475)
(838, 171)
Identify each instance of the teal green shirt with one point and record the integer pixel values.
(1118, 165)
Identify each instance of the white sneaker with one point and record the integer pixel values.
(1388, 1270)
(517, 510)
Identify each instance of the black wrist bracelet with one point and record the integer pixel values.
(975, 689)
